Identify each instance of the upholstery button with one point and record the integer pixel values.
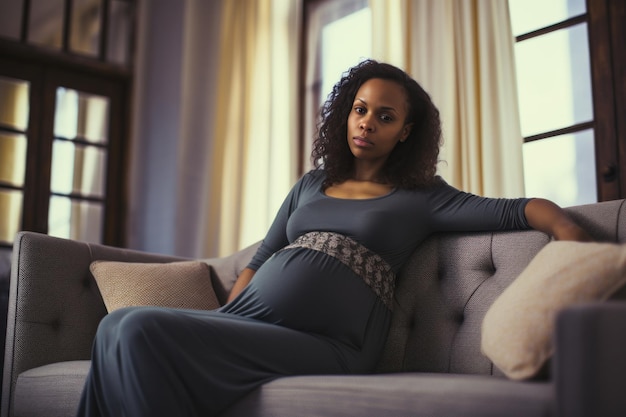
(460, 318)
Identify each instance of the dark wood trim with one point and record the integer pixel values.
(25, 21)
(617, 14)
(67, 26)
(557, 26)
(603, 100)
(37, 55)
(567, 130)
(104, 29)
(8, 129)
(80, 197)
(82, 142)
(8, 186)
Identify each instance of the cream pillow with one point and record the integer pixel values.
(517, 329)
(178, 284)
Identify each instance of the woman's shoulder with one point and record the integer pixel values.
(310, 180)
(314, 176)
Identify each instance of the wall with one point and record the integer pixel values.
(175, 78)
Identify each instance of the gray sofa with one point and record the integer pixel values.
(432, 365)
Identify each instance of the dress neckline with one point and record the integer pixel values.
(323, 192)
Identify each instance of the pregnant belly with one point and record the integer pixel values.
(311, 291)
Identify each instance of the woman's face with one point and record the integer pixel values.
(377, 120)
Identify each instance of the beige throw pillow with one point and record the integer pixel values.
(178, 285)
(517, 329)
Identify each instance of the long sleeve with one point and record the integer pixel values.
(276, 237)
(455, 210)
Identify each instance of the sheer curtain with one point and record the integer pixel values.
(215, 123)
(254, 158)
(461, 51)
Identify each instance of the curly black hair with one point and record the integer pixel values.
(412, 163)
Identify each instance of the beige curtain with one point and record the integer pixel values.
(214, 123)
(461, 51)
(254, 161)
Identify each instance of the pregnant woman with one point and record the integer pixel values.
(317, 296)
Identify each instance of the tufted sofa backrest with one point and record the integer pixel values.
(451, 280)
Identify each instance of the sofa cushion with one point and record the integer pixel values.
(55, 390)
(177, 284)
(50, 390)
(518, 327)
(400, 394)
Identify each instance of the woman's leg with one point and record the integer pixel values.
(164, 362)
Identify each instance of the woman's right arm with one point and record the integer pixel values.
(242, 281)
(275, 239)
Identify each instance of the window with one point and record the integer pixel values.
(570, 155)
(65, 81)
(101, 29)
(336, 41)
(79, 155)
(571, 64)
(14, 108)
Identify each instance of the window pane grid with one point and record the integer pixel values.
(562, 168)
(75, 219)
(555, 99)
(101, 30)
(78, 170)
(554, 80)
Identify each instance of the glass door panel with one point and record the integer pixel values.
(85, 32)
(79, 160)
(524, 16)
(12, 159)
(562, 169)
(78, 169)
(554, 80)
(120, 21)
(14, 114)
(75, 219)
(14, 103)
(81, 116)
(11, 18)
(45, 25)
(11, 202)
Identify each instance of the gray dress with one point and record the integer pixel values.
(305, 312)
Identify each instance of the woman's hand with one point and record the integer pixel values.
(549, 218)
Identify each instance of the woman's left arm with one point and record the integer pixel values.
(549, 218)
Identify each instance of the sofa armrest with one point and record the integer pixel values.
(54, 303)
(590, 360)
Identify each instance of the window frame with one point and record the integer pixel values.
(326, 11)
(601, 18)
(46, 69)
(607, 49)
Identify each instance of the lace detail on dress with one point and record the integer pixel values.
(374, 270)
